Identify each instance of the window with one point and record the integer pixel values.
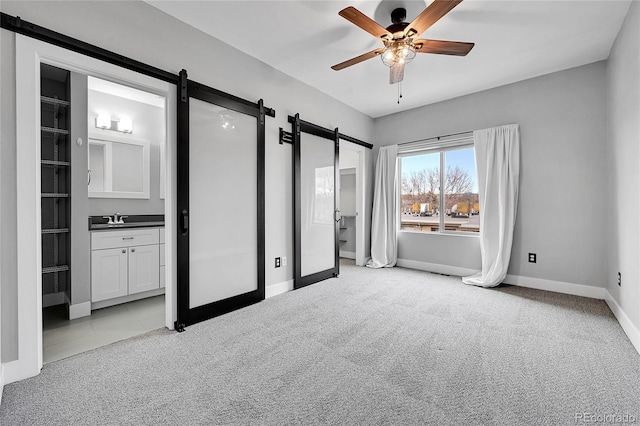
(424, 206)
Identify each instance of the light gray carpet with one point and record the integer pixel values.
(390, 346)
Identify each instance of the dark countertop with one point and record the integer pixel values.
(98, 223)
(102, 226)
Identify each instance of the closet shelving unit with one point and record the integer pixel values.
(55, 183)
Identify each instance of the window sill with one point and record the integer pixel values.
(447, 233)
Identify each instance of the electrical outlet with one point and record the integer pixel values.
(532, 257)
(619, 279)
(277, 262)
(284, 260)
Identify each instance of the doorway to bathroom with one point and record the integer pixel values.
(102, 211)
(351, 235)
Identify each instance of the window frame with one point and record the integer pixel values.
(441, 150)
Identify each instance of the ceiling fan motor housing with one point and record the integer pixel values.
(397, 17)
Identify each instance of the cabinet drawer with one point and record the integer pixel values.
(124, 238)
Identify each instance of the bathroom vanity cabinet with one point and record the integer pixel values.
(125, 263)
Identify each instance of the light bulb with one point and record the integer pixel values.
(125, 125)
(103, 121)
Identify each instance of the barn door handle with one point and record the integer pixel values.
(184, 221)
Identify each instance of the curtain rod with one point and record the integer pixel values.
(436, 137)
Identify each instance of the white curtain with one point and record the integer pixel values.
(384, 220)
(498, 164)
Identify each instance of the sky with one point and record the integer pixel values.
(462, 157)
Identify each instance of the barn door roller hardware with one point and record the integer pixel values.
(285, 137)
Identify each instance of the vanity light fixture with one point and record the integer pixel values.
(104, 121)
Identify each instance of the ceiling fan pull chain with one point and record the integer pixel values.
(399, 92)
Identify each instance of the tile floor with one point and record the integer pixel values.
(63, 338)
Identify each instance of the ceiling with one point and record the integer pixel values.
(126, 92)
(514, 40)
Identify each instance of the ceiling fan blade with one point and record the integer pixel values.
(456, 48)
(357, 59)
(396, 73)
(430, 16)
(363, 21)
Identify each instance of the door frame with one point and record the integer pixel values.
(186, 315)
(360, 204)
(300, 126)
(29, 54)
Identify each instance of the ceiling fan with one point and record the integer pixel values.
(399, 39)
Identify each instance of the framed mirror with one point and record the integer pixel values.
(118, 168)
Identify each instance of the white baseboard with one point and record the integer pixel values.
(18, 369)
(278, 288)
(1, 381)
(630, 330)
(348, 254)
(53, 299)
(128, 298)
(556, 286)
(79, 310)
(530, 282)
(436, 268)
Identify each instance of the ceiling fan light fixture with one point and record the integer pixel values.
(398, 53)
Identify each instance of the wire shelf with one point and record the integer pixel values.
(52, 269)
(54, 101)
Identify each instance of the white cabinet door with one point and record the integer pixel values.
(108, 274)
(144, 268)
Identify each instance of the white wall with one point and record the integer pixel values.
(148, 35)
(348, 158)
(562, 210)
(623, 155)
(8, 232)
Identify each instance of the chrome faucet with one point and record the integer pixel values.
(118, 218)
